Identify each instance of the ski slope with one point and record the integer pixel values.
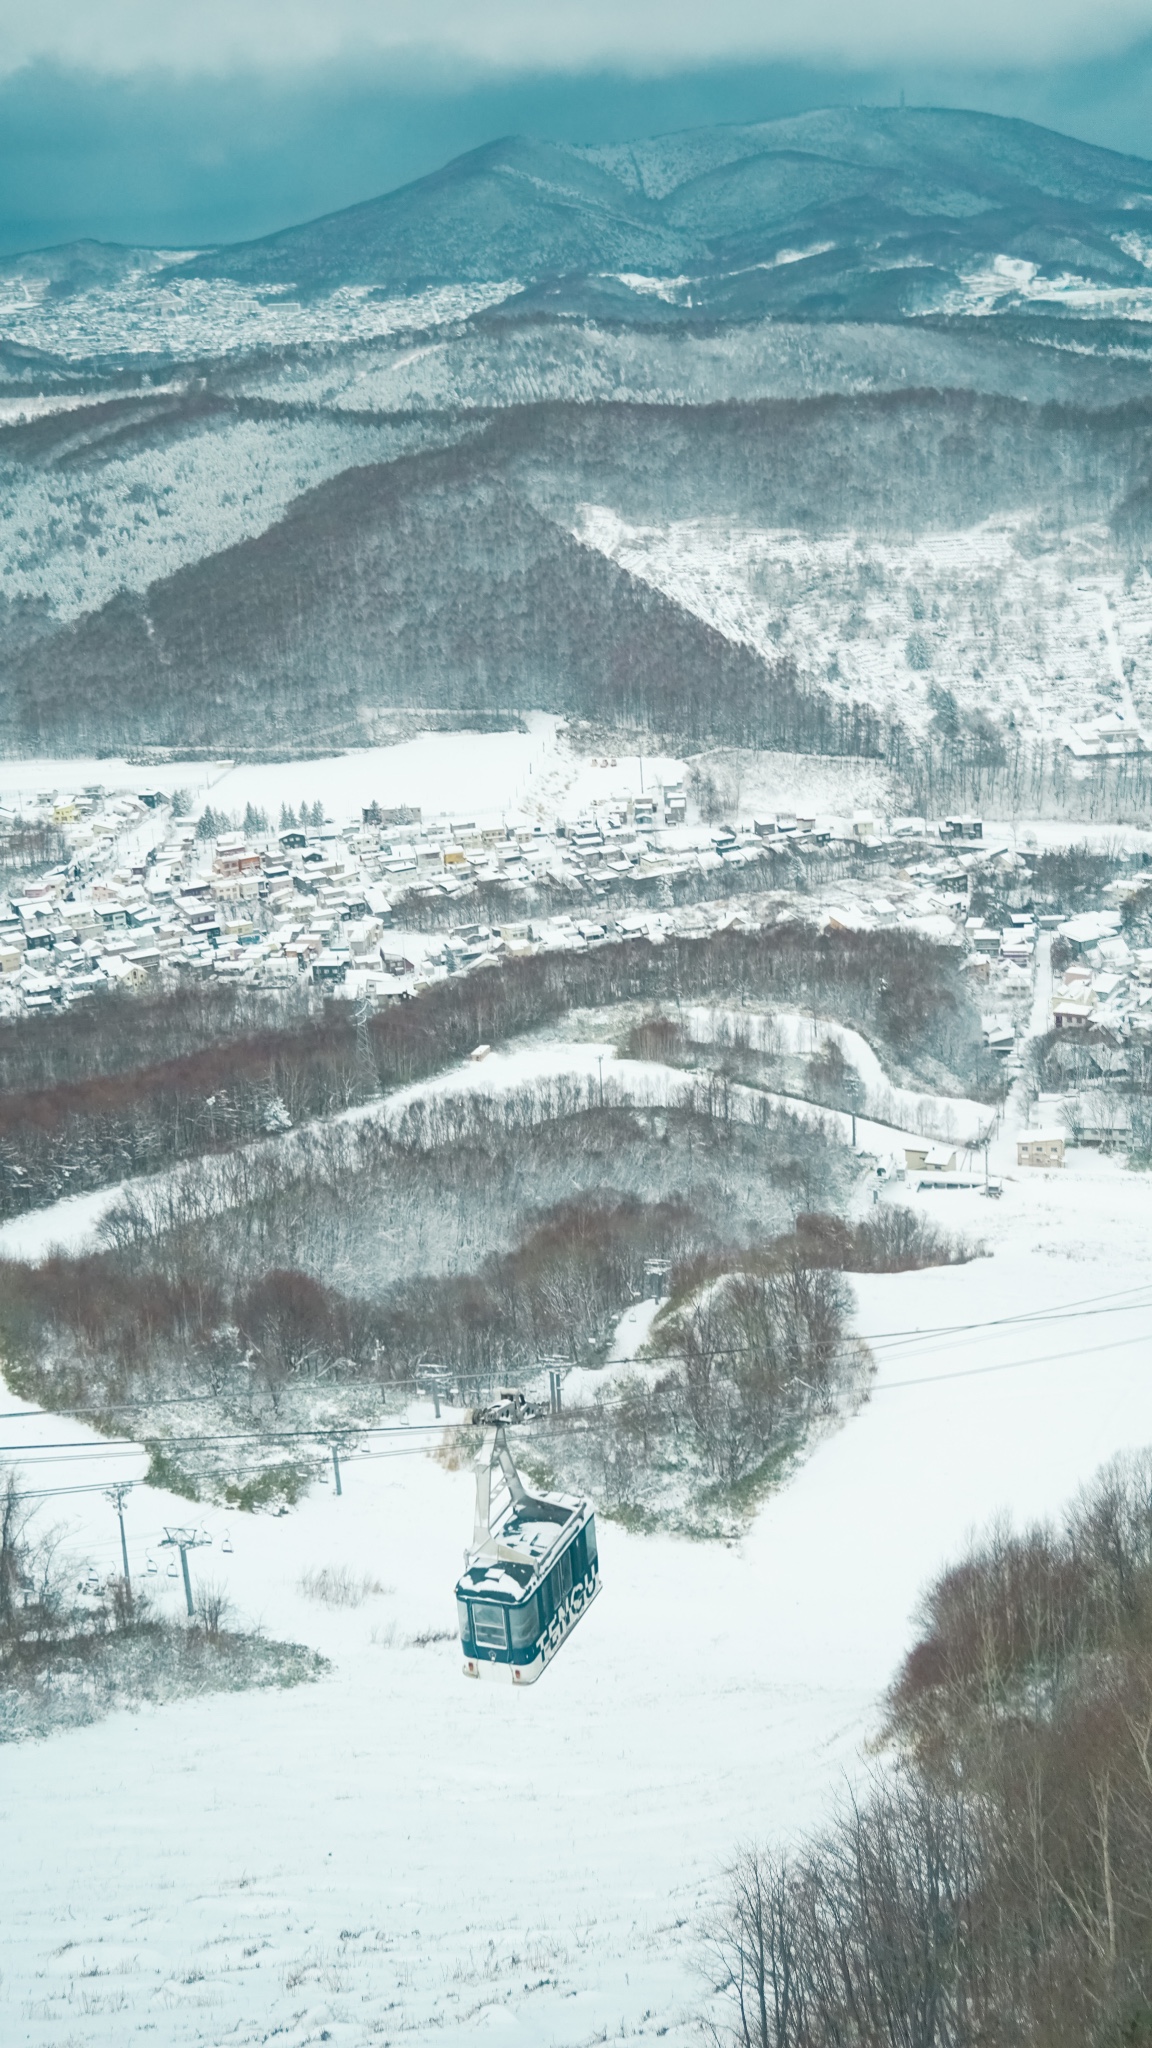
(395, 1854)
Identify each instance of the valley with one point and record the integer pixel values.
(576, 875)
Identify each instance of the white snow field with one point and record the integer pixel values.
(395, 1854)
(482, 777)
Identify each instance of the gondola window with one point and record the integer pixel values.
(488, 1625)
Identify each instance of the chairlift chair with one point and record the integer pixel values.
(226, 1546)
(531, 1572)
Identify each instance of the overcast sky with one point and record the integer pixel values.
(198, 35)
(187, 124)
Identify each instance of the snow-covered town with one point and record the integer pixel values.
(156, 886)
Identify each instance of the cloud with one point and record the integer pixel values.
(222, 36)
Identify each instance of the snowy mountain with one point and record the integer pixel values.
(896, 209)
(658, 364)
(856, 209)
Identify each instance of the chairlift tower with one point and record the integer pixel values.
(116, 1496)
(185, 1540)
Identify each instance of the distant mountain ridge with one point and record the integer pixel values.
(824, 196)
(851, 212)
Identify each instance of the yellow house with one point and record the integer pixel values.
(930, 1158)
(1040, 1148)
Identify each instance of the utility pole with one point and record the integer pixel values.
(184, 1540)
(338, 1444)
(365, 1062)
(116, 1497)
(600, 1064)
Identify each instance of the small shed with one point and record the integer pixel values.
(930, 1158)
(1040, 1148)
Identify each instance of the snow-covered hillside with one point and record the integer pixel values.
(73, 534)
(1037, 627)
(138, 317)
(395, 1854)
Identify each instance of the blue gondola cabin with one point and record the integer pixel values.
(531, 1573)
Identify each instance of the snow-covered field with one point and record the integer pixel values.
(467, 776)
(531, 777)
(395, 1854)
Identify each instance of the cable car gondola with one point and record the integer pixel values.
(530, 1574)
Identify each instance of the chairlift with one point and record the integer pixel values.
(172, 1571)
(508, 1404)
(226, 1546)
(530, 1574)
(151, 1566)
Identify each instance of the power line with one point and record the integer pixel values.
(971, 1372)
(101, 1485)
(890, 1386)
(1070, 1311)
(322, 1434)
(1033, 1318)
(1073, 1312)
(79, 1450)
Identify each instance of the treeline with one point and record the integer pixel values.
(994, 1889)
(117, 1031)
(84, 1133)
(167, 1307)
(1010, 775)
(28, 845)
(372, 592)
(755, 1349)
(889, 1239)
(160, 1320)
(749, 1364)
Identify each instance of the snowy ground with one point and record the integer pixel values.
(467, 776)
(395, 1854)
(563, 1074)
(136, 318)
(518, 777)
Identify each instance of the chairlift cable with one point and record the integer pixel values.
(48, 1453)
(1073, 1312)
(413, 1450)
